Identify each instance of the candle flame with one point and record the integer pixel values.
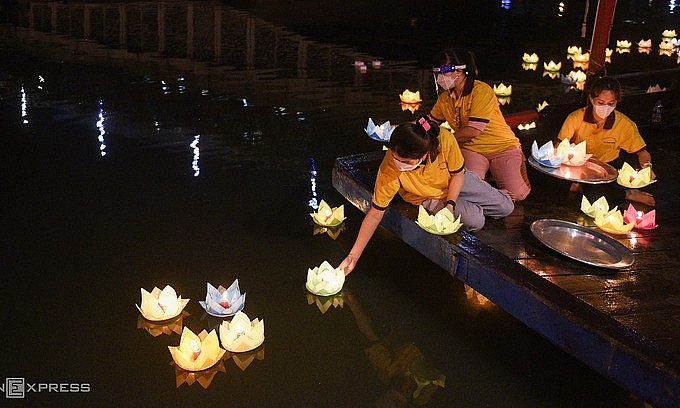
(196, 348)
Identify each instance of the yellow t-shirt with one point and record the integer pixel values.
(429, 180)
(480, 105)
(605, 144)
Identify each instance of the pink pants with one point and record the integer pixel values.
(508, 169)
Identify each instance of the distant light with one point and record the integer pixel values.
(312, 179)
(197, 153)
(506, 4)
(245, 102)
(101, 128)
(24, 113)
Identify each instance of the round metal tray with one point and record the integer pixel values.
(582, 243)
(592, 172)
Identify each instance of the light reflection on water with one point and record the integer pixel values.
(210, 172)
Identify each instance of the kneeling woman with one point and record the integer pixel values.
(425, 166)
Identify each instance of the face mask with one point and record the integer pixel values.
(406, 167)
(603, 111)
(446, 82)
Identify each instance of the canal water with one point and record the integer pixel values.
(152, 144)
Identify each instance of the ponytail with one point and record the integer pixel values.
(413, 140)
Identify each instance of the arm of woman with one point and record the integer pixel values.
(645, 160)
(368, 227)
(455, 186)
(468, 132)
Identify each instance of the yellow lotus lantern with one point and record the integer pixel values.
(530, 58)
(598, 206)
(327, 216)
(542, 106)
(645, 43)
(573, 49)
(527, 126)
(655, 88)
(612, 223)
(608, 54)
(552, 66)
(629, 177)
(323, 303)
(623, 44)
(582, 57)
(245, 359)
(159, 305)
(197, 352)
(574, 155)
(410, 97)
(324, 280)
(577, 76)
(502, 90)
(204, 377)
(529, 67)
(666, 45)
(241, 334)
(441, 223)
(668, 34)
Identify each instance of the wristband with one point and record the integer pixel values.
(453, 203)
(647, 164)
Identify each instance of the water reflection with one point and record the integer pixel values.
(197, 154)
(167, 327)
(24, 104)
(102, 129)
(323, 303)
(332, 232)
(245, 359)
(204, 378)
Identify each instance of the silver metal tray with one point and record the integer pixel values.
(592, 172)
(582, 243)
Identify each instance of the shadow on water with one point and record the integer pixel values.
(181, 143)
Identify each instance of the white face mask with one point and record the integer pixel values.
(406, 167)
(603, 111)
(445, 81)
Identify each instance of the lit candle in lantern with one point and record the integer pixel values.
(195, 348)
(241, 334)
(197, 352)
(633, 175)
(224, 300)
(639, 215)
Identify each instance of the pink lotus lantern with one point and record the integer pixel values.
(642, 220)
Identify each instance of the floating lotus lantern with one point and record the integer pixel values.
(203, 377)
(245, 359)
(668, 34)
(332, 232)
(380, 133)
(323, 303)
(623, 44)
(441, 223)
(502, 90)
(572, 49)
(223, 302)
(241, 334)
(608, 54)
(612, 223)
(666, 52)
(324, 280)
(552, 66)
(359, 63)
(577, 76)
(166, 327)
(530, 58)
(197, 352)
(598, 206)
(666, 45)
(655, 88)
(574, 155)
(629, 177)
(159, 305)
(527, 126)
(641, 219)
(582, 57)
(413, 107)
(410, 97)
(546, 154)
(645, 43)
(542, 106)
(529, 67)
(327, 216)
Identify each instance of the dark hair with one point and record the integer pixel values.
(412, 140)
(457, 57)
(605, 84)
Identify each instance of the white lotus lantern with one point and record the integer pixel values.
(159, 305)
(502, 90)
(645, 43)
(324, 280)
(623, 44)
(530, 58)
(668, 34)
(241, 334)
(552, 66)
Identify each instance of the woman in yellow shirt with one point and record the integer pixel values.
(424, 165)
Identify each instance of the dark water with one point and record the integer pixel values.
(142, 168)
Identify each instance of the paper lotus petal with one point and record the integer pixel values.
(667, 53)
(527, 66)
(582, 57)
(641, 219)
(332, 232)
(666, 45)
(530, 58)
(240, 334)
(323, 303)
(502, 90)
(413, 107)
(327, 216)
(324, 280)
(552, 66)
(655, 88)
(204, 377)
(159, 305)
(629, 177)
(623, 44)
(644, 50)
(573, 155)
(576, 76)
(410, 97)
(528, 126)
(542, 106)
(608, 52)
(645, 43)
(380, 133)
(623, 50)
(223, 302)
(612, 222)
(197, 352)
(572, 49)
(244, 359)
(598, 206)
(166, 327)
(552, 75)
(504, 100)
(442, 223)
(545, 155)
(668, 34)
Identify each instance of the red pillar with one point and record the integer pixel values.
(603, 24)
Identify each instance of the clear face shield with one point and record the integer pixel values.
(445, 81)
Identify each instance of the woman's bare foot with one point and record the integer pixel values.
(640, 197)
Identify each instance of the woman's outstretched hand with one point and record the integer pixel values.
(637, 196)
(348, 264)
